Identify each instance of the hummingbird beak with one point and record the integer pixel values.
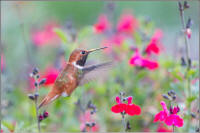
(92, 50)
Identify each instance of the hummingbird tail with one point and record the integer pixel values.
(48, 99)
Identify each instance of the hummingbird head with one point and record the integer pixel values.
(79, 56)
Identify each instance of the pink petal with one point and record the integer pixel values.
(130, 99)
(174, 120)
(164, 106)
(162, 115)
(118, 99)
(102, 24)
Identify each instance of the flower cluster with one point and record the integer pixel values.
(49, 75)
(170, 117)
(87, 117)
(126, 108)
(35, 75)
(115, 35)
(46, 35)
(43, 116)
(152, 48)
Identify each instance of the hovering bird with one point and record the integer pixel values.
(73, 75)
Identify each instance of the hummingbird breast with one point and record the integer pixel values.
(68, 80)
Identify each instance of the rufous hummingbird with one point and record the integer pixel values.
(73, 75)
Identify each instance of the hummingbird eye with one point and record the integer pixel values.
(82, 52)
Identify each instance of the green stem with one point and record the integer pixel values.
(187, 61)
(36, 104)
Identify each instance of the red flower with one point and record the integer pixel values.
(169, 118)
(138, 60)
(129, 108)
(102, 24)
(153, 47)
(50, 74)
(127, 23)
(45, 36)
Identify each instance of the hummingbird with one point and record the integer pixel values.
(74, 74)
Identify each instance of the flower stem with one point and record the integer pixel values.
(181, 9)
(36, 103)
(173, 128)
(37, 114)
(123, 122)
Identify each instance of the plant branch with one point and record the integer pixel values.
(188, 62)
(36, 102)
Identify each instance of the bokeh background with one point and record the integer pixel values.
(20, 54)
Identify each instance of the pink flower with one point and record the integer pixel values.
(115, 40)
(153, 46)
(188, 32)
(102, 24)
(162, 115)
(45, 36)
(2, 62)
(170, 118)
(127, 23)
(151, 65)
(129, 108)
(175, 120)
(87, 117)
(138, 60)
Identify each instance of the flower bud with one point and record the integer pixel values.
(42, 81)
(189, 23)
(197, 130)
(188, 32)
(35, 71)
(31, 96)
(87, 124)
(37, 76)
(186, 5)
(128, 127)
(171, 92)
(180, 6)
(121, 93)
(165, 96)
(171, 110)
(93, 124)
(174, 97)
(35, 84)
(36, 95)
(193, 115)
(183, 63)
(40, 118)
(45, 114)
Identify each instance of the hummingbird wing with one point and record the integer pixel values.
(92, 72)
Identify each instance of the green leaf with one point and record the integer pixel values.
(10, 126)
(85, 32)
(61, 34)
(138, 38)
(191, 99)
